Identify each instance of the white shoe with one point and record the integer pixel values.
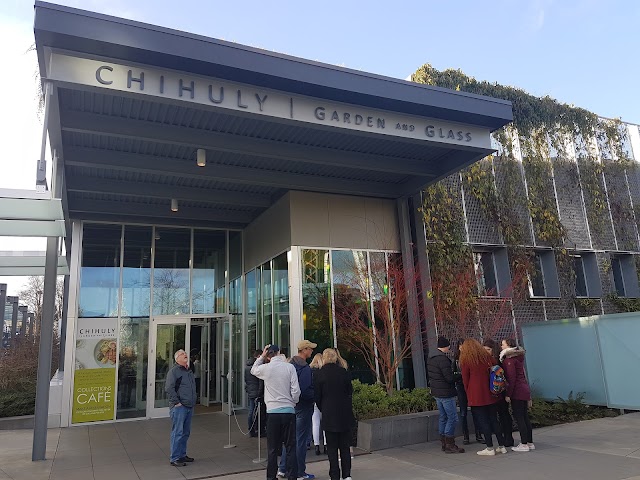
(501, 449)
(520, 448)
(531, 446)
(487, 451)
(348, 478)
(281, 474)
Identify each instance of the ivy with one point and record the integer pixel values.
(624, 304)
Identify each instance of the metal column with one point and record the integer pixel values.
(3, 302)
(45, 350)
(23, 325)
(14, 318)
(32, 318)
(413, 311)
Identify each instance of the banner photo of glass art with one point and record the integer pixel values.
(94, 379)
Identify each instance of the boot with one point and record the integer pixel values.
(465, 433)
(443, 441)
(317, 449)
(451, 446)
(479, 438)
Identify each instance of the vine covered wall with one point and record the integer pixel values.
(563, 180)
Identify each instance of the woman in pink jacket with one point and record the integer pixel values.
(518, 391)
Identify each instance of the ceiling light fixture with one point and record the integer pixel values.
(201, 157)
(174, 204)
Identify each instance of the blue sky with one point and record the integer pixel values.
(581, 52)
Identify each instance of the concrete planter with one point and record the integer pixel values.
(399, 430)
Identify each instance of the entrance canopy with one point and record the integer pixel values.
(133, 104)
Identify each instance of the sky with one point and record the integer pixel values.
(581, 52)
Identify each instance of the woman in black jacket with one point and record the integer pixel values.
(333, 393)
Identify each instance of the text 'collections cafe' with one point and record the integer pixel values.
(219, 196)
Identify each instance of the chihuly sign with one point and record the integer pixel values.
(227, 95)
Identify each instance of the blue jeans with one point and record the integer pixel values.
(180, 431)
(303, 436)
(448, 416)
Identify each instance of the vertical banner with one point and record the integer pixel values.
(94, 379)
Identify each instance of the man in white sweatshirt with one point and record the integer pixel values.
(281, 394)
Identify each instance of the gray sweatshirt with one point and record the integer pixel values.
(281, 387)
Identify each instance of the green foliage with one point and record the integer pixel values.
(571, 409)
(14, 403)
(625, 304)
(372, 401)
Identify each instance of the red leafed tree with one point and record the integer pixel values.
(371, 304)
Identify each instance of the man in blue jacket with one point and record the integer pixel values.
(304, 409)
(180, 387)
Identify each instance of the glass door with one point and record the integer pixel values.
(168, 335)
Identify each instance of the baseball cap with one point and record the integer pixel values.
(302, 344)
(273, 348)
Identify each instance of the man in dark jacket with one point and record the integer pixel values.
(180, 387)
(304, 409)
(255, 391)
(443, 388)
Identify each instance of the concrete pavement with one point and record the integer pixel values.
(604, 449)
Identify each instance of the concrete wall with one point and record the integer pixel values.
(269, 234)
(342, 221)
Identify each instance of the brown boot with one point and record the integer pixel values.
(443, 441)
(451, 446)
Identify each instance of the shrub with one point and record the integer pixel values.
(372, 401)
(572, 409)
(13, 404)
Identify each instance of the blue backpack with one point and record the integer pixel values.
(497, 380)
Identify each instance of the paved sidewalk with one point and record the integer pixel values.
(605, 449)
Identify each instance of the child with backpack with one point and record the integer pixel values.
(476, 364)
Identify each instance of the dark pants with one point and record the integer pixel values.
(281, 428)
(339, 441)
(487, 417)
(506, 423)
(257, 405)
(521, 413)
(464, 407)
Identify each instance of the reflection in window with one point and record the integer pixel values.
(252, 305)
(351, 294)
(536, 277)
(100, 275)
(132, 367)
(171, 272)
(238, 362)
(618, 279)
(209, 263)
(281, 301)
(316, 298)
(485, 273)
(136, 272)
(266, 312)
(581, 281)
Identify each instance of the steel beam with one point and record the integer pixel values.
(83, 122)
(14, 318)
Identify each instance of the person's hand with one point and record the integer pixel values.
(508, 399)
(266, 350)
(529, 403)
(178, 404)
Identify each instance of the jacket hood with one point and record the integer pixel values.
(511, 352)
(436, 352)
(299, 361)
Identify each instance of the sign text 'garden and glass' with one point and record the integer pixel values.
(240, 97)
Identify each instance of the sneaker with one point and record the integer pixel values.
(186, 458)
(531, 446)
(347, 478)
(501, 449)
(487, 451)
(177, 463)
(281, 474)
(307, 476)
(520, 448)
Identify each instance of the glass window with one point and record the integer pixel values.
(317, 316)
(100, 275)
(209, 263)
(266, 312)
(618, 280)
(238, 363)
(252, 305)
(485, 274)
(171, 272)
(536, 277)
(281, 301)
(136, 272)
(352, 309)
(132, 367)
(581, 281)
